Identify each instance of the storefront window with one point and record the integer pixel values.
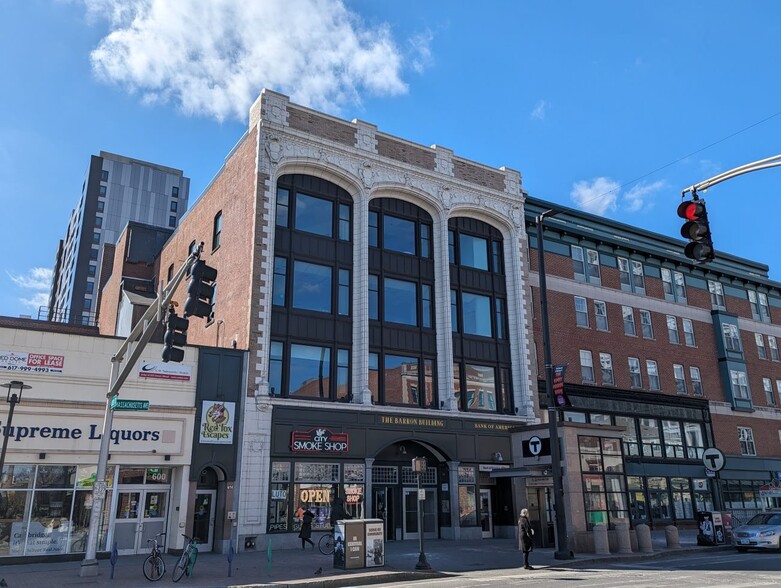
(649, 433)
(467, 502)
(659, 499)
(17, 476)
(129, 475)
(673, 440)
(316, 494)
(49, 525)
(55, 477)
(278, 505)
(604, 494)
(353, 500)
(682, 498)
(629, 435)
(13, 508)
(637, 504)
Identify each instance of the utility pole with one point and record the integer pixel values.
(140, 335)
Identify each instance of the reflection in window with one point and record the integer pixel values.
(275, 369)
(480, 387)
(400, 302)
(311, 286)
(476, 314)
(398, 234)
(314, 215)
(310, 369)
(474, 252)
(401, 381)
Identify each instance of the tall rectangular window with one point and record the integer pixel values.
(175, 192)
(425, 302)
(731, 337)
(680, 379)
(680, 287)
(172, 221)
(638, 277)
(600, 315)
(174, 205)
(283, 207)
(716, 294)
(688, 332)
(96, 237)
(635, 377)
(581, 312)
(667, 284)
(310, 371)
(217, 230)
(773, 344)
(578, 263)
(454, 310)
(624, 275)
(104, 175)
(344, 222)
(585, 265)
(694, 374)
(672, 330)
(767, 386)
(102, 206)
(739, 385)
(586, 366)
(374, 225)
(761, 351)
(497, 259)
(645, 324)
(280, 279)
(500, 319)
(760, 310)
(342, 373)
(592, 266)
(275, 369)
(629, 321)
(653, 374)
(606, 366)
(343, 303)
(425, 240)
(374, 297)
(451, 246)
(746, 440)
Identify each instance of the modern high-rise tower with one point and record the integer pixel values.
(116, 189)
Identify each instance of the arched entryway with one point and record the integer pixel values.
(395, 490)
(204, 511)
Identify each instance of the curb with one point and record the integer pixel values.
(670, 551)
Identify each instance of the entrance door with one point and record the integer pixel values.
(540, 505)
(203, 519)
(383, 509)
(429, 506)
(140, 515)
(485, 513)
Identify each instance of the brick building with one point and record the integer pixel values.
(681, 357)
(380, 289)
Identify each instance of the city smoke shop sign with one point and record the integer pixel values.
(217, 422)
(320, 440)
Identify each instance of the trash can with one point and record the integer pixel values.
(375, 543)
(349, 541)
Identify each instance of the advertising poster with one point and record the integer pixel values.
(339, 559)
(375, 544)
(217, 422)
(38, 363)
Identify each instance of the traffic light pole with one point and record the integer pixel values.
(769, 162)
(559, 505)
(141, 334)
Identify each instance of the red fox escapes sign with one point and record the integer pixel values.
(319, 440)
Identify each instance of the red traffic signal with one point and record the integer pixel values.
(696, 230)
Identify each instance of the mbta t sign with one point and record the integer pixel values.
(713, 459)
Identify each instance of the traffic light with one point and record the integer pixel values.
(175, 337)
(697, 230)
(200, 290)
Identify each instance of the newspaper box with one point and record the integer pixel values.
(375, 543)
(349, 544)
(711, 528)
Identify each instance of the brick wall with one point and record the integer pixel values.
(321, 126)
(406, 152)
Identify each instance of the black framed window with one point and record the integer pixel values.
(374, 228)
(374, 297)
(405, 380)
(283, 207)
(473, 251)
(314, 215)
(425, 240)
(312, 286)
(343, 300)
(476, 314)
(101, 205)
(398, 234)
(300, 370)
(174, 205)
(400, 302)
(344, 222)
(217, 230)
(280, 280)
(175, 192)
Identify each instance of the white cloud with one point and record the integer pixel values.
(212, 57)
(539, 111)
(37, 279)
(597, 196)
(638, 197)
(421, 56)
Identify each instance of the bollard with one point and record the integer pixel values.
(601, 544)
(644, 543)
(622, 536)
(671, 534)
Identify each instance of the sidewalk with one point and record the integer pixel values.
(294, 567)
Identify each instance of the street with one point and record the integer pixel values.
(724, 568)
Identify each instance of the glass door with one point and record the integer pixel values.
(429, 506)
(485, 513)
(140, 515)
(203, 519)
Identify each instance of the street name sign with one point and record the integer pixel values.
(123, 404)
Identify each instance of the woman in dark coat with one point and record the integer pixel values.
(525, 537)
(306, 528)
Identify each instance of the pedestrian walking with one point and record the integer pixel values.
(306, 528)
(525, 537)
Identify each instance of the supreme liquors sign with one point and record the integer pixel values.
(319, 440)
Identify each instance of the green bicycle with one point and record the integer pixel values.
(186, 561)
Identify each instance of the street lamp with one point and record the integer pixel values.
(419, 465)
(12, 399)
(559, 507)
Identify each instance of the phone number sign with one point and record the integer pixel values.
(40, 363)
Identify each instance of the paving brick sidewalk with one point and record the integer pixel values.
(294, 567)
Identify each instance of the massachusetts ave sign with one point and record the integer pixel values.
(123, 404)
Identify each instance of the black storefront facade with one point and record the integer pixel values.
(364, 456)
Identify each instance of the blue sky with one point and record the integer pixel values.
(609, 106)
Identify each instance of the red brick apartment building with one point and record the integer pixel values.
(682, 356)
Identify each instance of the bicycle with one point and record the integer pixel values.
(154, 565)
(326, 544)
(186, 561)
